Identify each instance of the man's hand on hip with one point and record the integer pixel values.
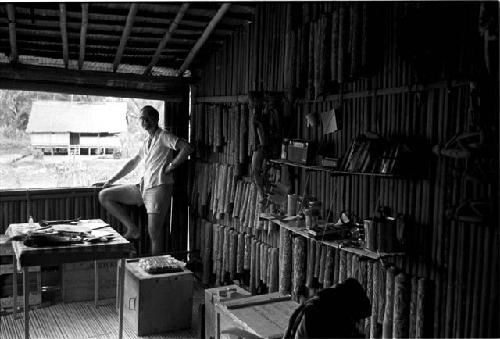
(169, 168)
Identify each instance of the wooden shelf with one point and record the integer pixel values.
(337, 244)
(334, 171)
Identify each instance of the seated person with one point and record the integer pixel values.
(333, 313)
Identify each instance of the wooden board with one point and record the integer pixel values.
(268, 320)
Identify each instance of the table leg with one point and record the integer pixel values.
(14, 285)
(26, 303)
(217, 326)
(120, 294)
(96, 284)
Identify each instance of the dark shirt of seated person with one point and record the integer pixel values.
(333, 313)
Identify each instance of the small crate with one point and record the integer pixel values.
(215, 295)
(78, 280)
(156, 303)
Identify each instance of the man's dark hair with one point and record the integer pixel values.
(151, 112)
(333, 313)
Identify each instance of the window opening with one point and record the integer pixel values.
(50, 140)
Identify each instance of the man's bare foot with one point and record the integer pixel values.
(132, 233)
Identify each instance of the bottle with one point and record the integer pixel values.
(31, 222)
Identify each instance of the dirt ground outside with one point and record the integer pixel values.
(24, 171)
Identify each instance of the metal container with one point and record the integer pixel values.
(370, 234)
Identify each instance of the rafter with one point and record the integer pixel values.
(64, 33)
(11, 14)
(206, 33)
(166, 37)
(126, 32)
(83, 34)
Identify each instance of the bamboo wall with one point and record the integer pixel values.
(399, 70)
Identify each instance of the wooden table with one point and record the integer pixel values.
(117, 248)
(265, 316)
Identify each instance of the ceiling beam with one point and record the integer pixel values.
(166, 37)
(126, 32)
(83, 34)
(114, 19)
(64, 33)
(211, 25)
(11, 14)
(96, 83)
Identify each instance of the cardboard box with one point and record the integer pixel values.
(8, 302)
(156, 303)
(215, 295)
(78, 280)
(7, 279)
(5, 247)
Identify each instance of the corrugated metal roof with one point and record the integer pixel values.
(63, 116)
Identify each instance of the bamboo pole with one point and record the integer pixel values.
(389, 304)
(248, 252)
(317, 257)
(215, 248)
(327, 282)
(233, 248)
(208, 249)
(285, 261)
(336, 266)
(341, 43)
(334, 45)
(401, 307)
(421, 304)
(298, 258)
(253, 263)
(343, 266)
(349, 265)
(413, 307)
(364, 276)
(240, 256)
(373, 268)
(274, 279)
(322, 262)
(311, 249)
(257, 267)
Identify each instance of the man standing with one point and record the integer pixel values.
(155, 188)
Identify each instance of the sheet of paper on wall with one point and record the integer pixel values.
(329, 121)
